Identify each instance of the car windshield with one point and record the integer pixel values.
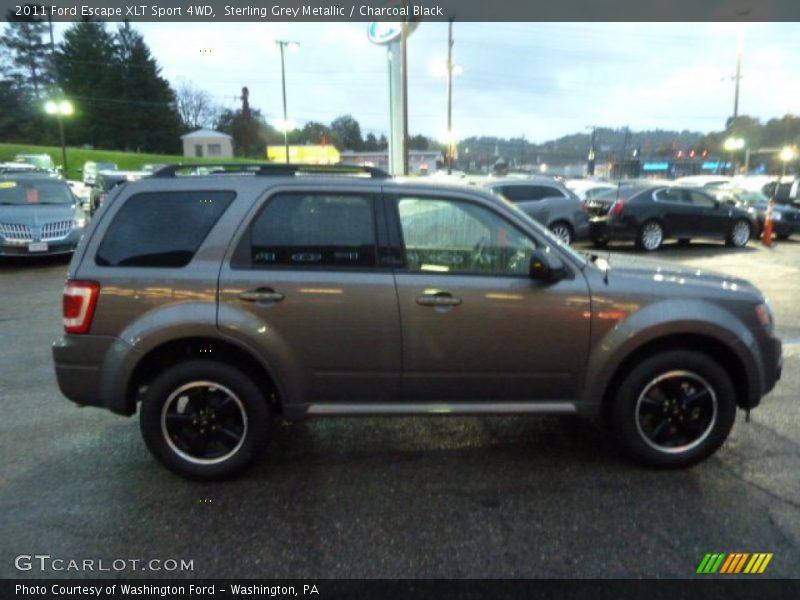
(750, 197)
(106, 166)
(27, 192)
(40, 162)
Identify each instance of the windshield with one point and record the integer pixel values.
(27, 192)
(40, 162)
(750, 197)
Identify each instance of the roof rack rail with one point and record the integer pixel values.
(272, 169)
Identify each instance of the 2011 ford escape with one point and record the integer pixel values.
(220, 302)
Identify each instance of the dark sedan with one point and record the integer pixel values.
(785, 217)
(649, 215)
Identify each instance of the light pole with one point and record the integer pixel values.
(732, 144)
(60, 108)
(285, 125)
(449, 69)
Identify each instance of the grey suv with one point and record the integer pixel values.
(219, 302)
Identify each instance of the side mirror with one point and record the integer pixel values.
(546, 266)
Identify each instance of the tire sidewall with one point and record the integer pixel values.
(568, 228)
(251, 397)
(749, 236)
(640, 239)
(623, 413)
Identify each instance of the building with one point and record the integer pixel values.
(207, 143)
(419, 161)
(306, 154)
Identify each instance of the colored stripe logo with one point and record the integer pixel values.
(734, 563)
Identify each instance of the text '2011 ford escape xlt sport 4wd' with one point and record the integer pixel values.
(220, 302)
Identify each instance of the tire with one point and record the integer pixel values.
(650, 236)
(219, 399)
(740, 234)
(563, 231)
(650, 408)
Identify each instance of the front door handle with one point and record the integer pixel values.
(438, 299)
(261, 295)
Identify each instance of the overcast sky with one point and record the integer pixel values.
(538, 80)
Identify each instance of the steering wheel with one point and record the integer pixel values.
(479, 253)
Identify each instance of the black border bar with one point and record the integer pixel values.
(728, 588)
(392, 10)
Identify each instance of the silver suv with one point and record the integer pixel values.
(217, 303)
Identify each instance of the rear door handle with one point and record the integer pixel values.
(438, 299)
(261, 295)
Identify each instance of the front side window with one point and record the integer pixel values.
(452, 236)
(670, 195)
(314, 230)
(701, 200)
(161, 229)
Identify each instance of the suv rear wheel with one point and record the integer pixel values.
(674, 409)
(204, 419)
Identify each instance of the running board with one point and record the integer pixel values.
(440, 408)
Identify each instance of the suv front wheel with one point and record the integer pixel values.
(674, 409)
(204, 419)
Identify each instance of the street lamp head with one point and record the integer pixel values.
(288, 44)
(788, 154)
(285, 125)
(65, 107)
(733, 143)
(62, 107)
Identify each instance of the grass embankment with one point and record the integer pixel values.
(127, 161)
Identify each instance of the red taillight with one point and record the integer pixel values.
(616, 208)
(80, 299)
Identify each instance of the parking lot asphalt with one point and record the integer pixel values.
(411, 497)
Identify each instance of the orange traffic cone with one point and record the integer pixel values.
(766, 237)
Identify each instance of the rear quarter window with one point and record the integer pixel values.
(161, 229)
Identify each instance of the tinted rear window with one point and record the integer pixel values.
(314, 230)
(161, 229)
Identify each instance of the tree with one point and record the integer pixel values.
(26, 78)
(195, 106)
(314, 132)
(90, 76)
(418, 142)
(251, 134)
(25, 56)
(371, 143)
(151, 121)
(346, 133)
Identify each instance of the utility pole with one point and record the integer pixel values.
(285, 116)
(292, 45)
(404, 60)
(737, 78)
(590, 163)
(59, 117)
(450, 139)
